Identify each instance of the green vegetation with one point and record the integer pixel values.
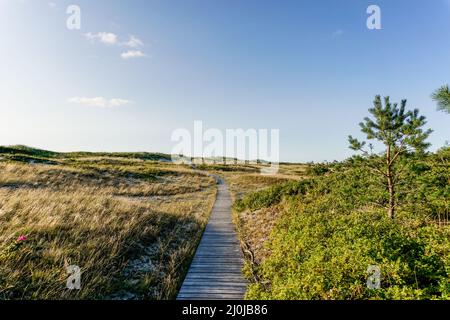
(442, 97)
(27, 151)
(316, 238)
(271, 196)
(328, 230)
(401, 133)
(317, 169)
(23, 153)
(227, 167)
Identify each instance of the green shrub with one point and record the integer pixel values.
(272, 195)
(317, 169)
(325, 255)
(334, 227)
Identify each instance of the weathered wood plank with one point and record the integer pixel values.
(195, 290)
(224, 260)
(196, 274)
(205, 284)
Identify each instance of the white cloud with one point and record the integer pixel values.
(134, 42)
(104, 37)
(112, 39)
(338, 33)
(117, 102)
(130, 54)
(99, 102)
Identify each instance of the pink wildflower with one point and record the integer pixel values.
(21, 238)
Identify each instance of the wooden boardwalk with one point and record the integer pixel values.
(215, 272)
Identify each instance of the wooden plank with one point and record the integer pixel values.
(235, 275)
(217, 286)
(223, 285)
(224, 260)
(221, 259)
(222, 255)
(196, 274)
(207, 267)
(203, 290)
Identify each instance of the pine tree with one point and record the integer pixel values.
(401, 132)
(442, 97)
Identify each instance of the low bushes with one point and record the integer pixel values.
(333, 227)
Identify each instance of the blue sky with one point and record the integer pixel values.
(308, 68)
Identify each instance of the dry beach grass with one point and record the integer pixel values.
(131, 225)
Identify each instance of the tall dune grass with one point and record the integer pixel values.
(127, 232)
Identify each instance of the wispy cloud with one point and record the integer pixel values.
(131, 54)
(99, 102)
(111, 39)
(338, 33)
(107, 38)
(134, 42)
(117, 102)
